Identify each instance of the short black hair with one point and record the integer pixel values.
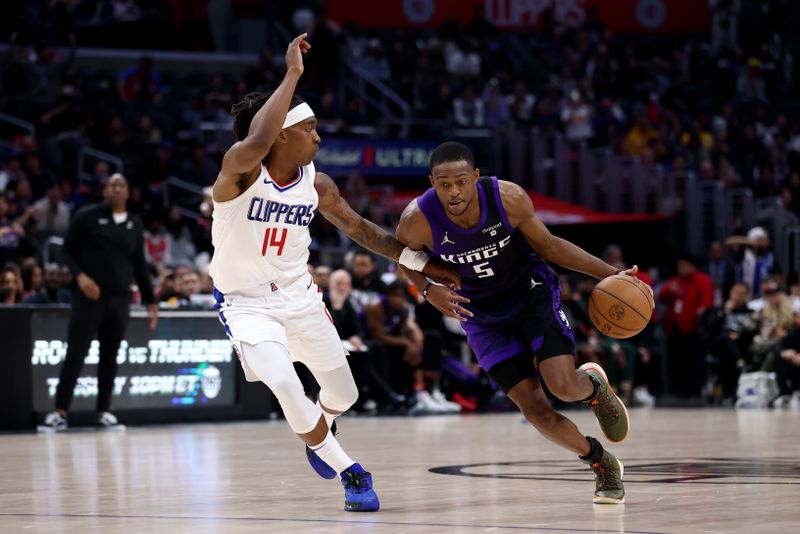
(244, 111)
(451, 151)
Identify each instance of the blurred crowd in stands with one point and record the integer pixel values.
(721, 106)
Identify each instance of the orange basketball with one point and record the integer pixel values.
(620, 306)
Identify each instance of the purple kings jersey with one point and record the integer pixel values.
(500, 272)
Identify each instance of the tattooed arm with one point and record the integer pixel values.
(367, 234)
(371, 236)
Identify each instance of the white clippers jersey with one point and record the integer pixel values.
(262, 235)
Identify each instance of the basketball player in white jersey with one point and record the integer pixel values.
(264, 199)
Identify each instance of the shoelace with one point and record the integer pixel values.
(603, 407)
(602, 475)
(358, 481)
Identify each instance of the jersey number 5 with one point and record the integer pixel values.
(483, 271)
(271, 240)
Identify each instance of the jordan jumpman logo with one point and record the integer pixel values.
(446, 240)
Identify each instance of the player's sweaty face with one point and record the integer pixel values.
(454, 182)
(304, 140)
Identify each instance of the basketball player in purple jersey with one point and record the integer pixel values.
(509, 302)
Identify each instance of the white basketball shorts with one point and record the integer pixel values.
(292, 315)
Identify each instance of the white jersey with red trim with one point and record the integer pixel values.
(261, 236)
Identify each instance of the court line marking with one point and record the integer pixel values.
(296, 520)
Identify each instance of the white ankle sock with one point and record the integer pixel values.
(332, 453)
(329, 417)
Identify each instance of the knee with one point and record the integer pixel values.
(342, 398)
(346, 397)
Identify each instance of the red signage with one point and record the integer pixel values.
(627, 16)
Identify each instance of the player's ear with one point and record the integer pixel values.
(476, 173)
(282, 136)
(430, 179)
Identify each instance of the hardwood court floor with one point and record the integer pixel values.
(686, 471)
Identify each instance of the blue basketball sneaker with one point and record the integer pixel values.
(318, 464)
(358, 493)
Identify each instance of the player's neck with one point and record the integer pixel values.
(282, 171)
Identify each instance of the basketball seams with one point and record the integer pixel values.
(593, 303)
(636, 283)
(645, 319)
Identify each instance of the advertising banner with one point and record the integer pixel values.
(187, 362)
(374, 157)
(627, 16)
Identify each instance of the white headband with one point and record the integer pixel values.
(298, 114)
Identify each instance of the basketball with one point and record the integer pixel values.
(620, 306)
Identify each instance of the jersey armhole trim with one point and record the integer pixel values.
(498, 199)
(238, 198)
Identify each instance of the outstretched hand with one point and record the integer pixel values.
(448, 302)
(295, 51)
(442, 273)
(632, 273)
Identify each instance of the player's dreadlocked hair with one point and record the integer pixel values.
(244, 111)
(451, 151)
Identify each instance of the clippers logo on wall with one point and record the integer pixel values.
(182, 364)
(627, 16)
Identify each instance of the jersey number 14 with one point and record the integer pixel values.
(271, 239)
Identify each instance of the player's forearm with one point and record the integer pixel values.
(376, 239)
(417, 278)
(268, 121)
(573, 257)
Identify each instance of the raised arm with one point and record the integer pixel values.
(242, 162)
